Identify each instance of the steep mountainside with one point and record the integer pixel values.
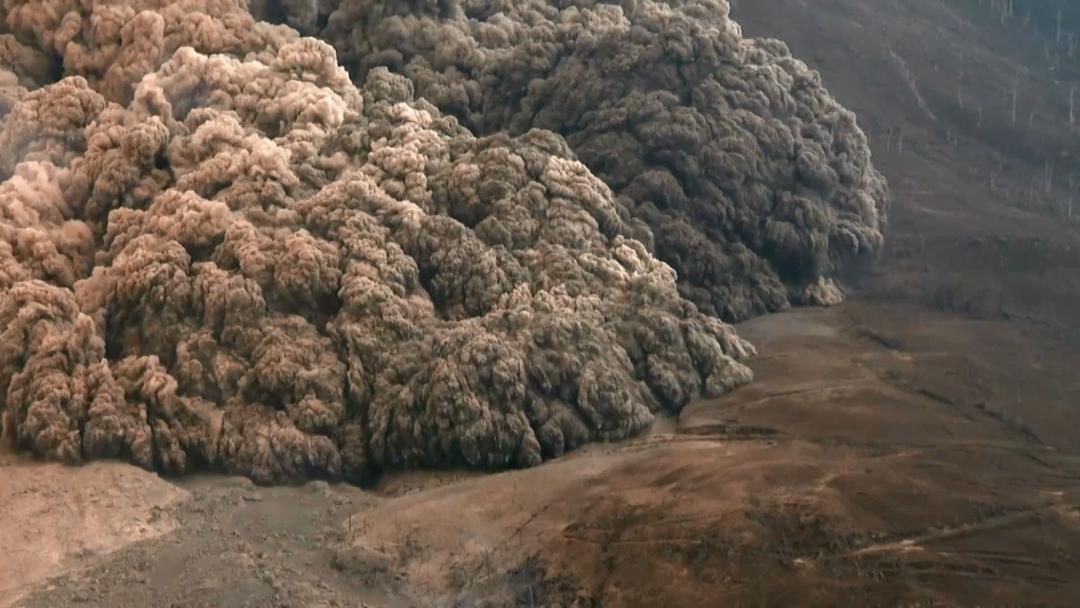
(981, 222)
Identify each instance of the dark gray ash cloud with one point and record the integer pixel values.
(218, 252)
(726, 154)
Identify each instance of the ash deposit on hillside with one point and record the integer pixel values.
(749, 178)
(217, 251)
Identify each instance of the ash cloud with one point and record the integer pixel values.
(217, 251)
(726, 154)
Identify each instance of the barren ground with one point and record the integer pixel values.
(875, 461)
(915, 446)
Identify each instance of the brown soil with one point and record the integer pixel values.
(916, 446)
(872, 463)
(57, 519)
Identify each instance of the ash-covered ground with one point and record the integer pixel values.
(219, 250)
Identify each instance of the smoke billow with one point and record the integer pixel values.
(748, 177)
(217, 251)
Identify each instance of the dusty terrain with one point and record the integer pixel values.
(916, 446)
(56, 518)
(891, 471)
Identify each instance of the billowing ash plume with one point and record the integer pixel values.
(753, 182)
(216, 251)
